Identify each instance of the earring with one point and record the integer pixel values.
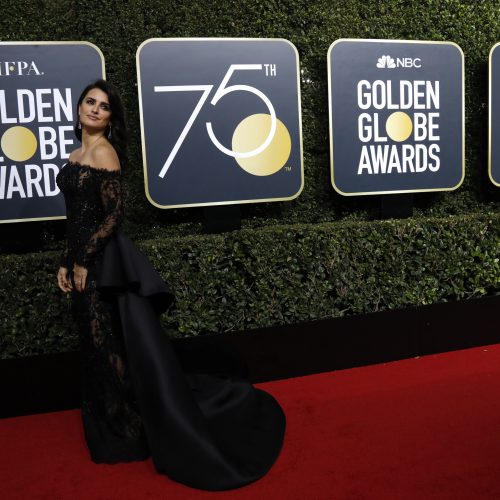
(79, 126)
(109, 133)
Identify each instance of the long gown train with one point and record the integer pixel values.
(211, 432)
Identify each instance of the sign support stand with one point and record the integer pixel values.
(396, 206)
(221, 218)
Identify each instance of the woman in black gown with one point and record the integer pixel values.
(209, 432)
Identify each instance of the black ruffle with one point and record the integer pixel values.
(206, 431)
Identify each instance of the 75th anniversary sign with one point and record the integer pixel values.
(396, 116)
(40, 83)
(220, 121)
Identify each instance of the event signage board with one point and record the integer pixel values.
(396, 116)
(220, 121)
(40, 83)
(494, 116)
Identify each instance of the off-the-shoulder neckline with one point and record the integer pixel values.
(90, 167)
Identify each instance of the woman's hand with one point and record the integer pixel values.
(80, 277)
(63, 280)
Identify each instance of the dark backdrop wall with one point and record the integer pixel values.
(319, 256)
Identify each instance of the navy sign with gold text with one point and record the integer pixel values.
(40, 83)
(396, 116)
(494, 111)
(220, 121)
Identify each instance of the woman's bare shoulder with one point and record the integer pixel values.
(104, 156)
(75, 154)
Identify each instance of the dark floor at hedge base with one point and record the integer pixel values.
(423, 428)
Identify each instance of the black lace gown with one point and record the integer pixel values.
(209, 432)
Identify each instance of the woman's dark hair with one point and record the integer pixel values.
(117, 127)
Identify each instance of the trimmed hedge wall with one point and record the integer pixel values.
(319, 256)
(275, 275)
(118, 28)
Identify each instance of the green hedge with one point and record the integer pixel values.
(319, 256)
(119, 27)
(276, 275)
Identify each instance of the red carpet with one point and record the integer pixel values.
(426, 428)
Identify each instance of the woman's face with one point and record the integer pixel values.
(95, 111)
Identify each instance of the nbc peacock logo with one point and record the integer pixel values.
(386, 61)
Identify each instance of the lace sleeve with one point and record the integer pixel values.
(63, 259)
(110, 190)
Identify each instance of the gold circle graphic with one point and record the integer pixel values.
(250, 133)
(399, 126)
(19, 143)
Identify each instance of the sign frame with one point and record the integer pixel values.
(330, 117)
(103, 75)
(141, 116)
(490, 96)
